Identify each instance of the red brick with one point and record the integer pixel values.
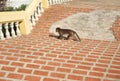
(116, 67)
(45, 58)
(64, 70)
(19, 55)
(92, 79)
(58, 75)
(77, 58)
(50, 79)
(73, 61)
(42, 73)
(33, 66)
(4, 62)
(21, 70)
(32, 56)
(84, 67)
(25, 60)
(51, 55)
(59, 60)
(102, 65)
(69, 65)
(75, 77)
(12, 58)
(38, 53)
(104, 61)
(32, 78)
(107, 80)
(4, 80)
(48, 68)
(64, 57)
(116, 62)
(7, 68)
(15, 76)
(90, 60)
(3, 49)
(113, 76)
(114, 71)
(87, 63)
(17, 64)
(2, 74)
(1, 57)
(26, 52)
(80, 72)
(99, 69)
(54, 63)
(99, 74)
(32, 49)
(40, 61)
(13, 50)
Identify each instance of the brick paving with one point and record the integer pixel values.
(39, 57)
(96, 4)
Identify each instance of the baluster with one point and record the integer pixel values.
(7, 32)
(17, 28)
(61, 1)
(33, 20)
(38, 11)
(50, 2)
(55, 1)
(41, 7)
(1, 33)
(12, 29)
(31, 27)
(64, 0)
(58, 1)
(36, 15)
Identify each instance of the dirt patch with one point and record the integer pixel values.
(93, 25)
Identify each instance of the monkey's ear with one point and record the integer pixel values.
(58, 28)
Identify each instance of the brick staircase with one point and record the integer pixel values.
(38, 57)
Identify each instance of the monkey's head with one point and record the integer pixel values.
(57, 29)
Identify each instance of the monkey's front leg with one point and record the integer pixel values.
(59, 37)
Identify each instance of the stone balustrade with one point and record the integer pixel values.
(9, 30)
(52, 2)
(13, 24)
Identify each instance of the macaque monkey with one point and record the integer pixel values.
(66, 34)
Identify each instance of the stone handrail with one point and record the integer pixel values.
(15, 23)
(52, 2)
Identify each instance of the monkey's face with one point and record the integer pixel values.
(57, 29)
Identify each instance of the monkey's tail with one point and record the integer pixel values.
(78, 36)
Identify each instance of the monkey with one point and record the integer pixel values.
(68, 33)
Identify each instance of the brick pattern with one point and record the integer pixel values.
(38, 57)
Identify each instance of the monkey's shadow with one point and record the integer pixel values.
(53, 36)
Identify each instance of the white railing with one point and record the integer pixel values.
(9, 29)
(34, 13)
(13, 24)
(52, 2)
